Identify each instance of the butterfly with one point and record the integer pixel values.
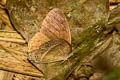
(52, 44)
(54, 26)
(53, 41)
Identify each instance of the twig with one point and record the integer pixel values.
(22, 72)
(13, 40)
(8, 31)
(12, 50)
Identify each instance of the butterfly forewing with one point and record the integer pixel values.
(51, 51)
(56, 25)
(36, 41)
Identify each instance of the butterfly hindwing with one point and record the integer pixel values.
(51, 51)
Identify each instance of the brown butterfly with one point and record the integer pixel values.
(54, 26)
(53, 41)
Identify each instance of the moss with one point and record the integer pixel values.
(87, 36)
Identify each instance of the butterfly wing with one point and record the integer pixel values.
(51, 51)
(52, 43)
(54, 26)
